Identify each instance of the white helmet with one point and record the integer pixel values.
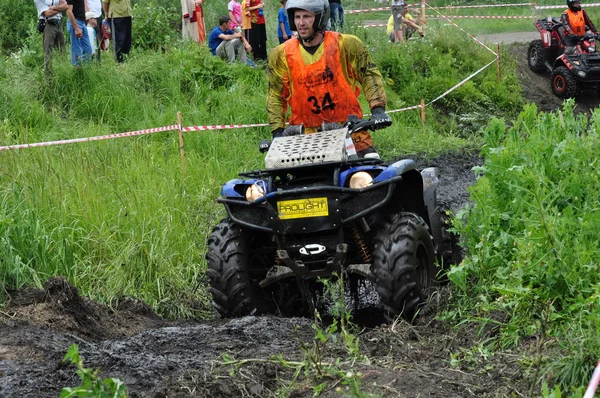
(318, 7)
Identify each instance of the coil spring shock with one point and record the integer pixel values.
(363, 249)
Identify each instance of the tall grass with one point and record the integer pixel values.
(532, 236)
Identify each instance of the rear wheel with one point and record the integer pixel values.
(404, 265)
(564, 84)
(231, 286)
(535, 56)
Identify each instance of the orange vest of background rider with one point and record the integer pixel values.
(576, 22)
(321, 92)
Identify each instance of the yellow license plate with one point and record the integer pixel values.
(302, 208)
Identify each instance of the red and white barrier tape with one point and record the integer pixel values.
(490, 16)
(564, 7)
(591, 390)
(406, 109)
(222, 127)
(485, 6)
(467, 33)
(377, 9)
(461, 83)
(87, 139)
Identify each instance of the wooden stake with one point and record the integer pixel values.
(423, 13)
(423, 112)
(181, 150)
(498, 60)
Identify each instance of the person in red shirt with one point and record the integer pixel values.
(258, 31)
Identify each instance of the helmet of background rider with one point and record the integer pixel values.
(574, 5)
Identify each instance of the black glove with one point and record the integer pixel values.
(288, 132)
(278, 132)
(380, 118)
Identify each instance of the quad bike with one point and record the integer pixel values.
(572, 60)
(318, 211)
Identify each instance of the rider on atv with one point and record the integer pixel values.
(576, 22)
(318, 75)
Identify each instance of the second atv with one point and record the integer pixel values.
(573, 61)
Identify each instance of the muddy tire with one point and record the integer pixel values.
(228, 258)
(449, 252)
(404, 267)
(535, 56)
(564, 84)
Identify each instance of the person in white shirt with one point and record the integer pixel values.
(95, 6)
(54, 37)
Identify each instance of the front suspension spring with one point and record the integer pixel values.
(363, 250)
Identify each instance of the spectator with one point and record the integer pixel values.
(283, 27)
(258, 32)
(189, 20)
(409, 26)
(246, 20)
(95, 6)
(118, 13)
(337, 14)
(397, 9)
(54, 37)
(318, 76)
(576, 21)
(91, 25)
(227, 44)
(81, 50)
(235, 14)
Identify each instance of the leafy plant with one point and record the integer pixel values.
(91, 385)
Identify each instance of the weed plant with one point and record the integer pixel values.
(532, 235)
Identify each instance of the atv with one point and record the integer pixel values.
(316, 211)
(572, 60)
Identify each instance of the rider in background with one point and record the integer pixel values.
(576, 21)
(318, 75)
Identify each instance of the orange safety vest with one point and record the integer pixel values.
(576, 22)
(321, 91)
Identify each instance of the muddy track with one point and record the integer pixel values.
(156, 358)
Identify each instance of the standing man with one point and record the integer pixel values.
(81, 50)
(95, 8)
(54, 38)
(283, 26)
(317, 74)
(397, 10)
(258, 30)
(118, 13)
(337, 14)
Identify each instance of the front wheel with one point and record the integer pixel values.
(232, 289)
(404, 259)
(535, 56)
(564, 84)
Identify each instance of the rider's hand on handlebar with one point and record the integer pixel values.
(380, 118)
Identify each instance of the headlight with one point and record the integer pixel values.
(360, 179)
(254, 192)
(581, 73)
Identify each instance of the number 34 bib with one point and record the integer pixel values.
(321, 92)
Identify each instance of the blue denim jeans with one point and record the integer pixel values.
(81, 49)
(337, 15)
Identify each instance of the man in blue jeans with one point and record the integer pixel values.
(81, 50)
(337, 14)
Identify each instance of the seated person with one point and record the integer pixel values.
(409, 26)
(576, 23)
(227, 44)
